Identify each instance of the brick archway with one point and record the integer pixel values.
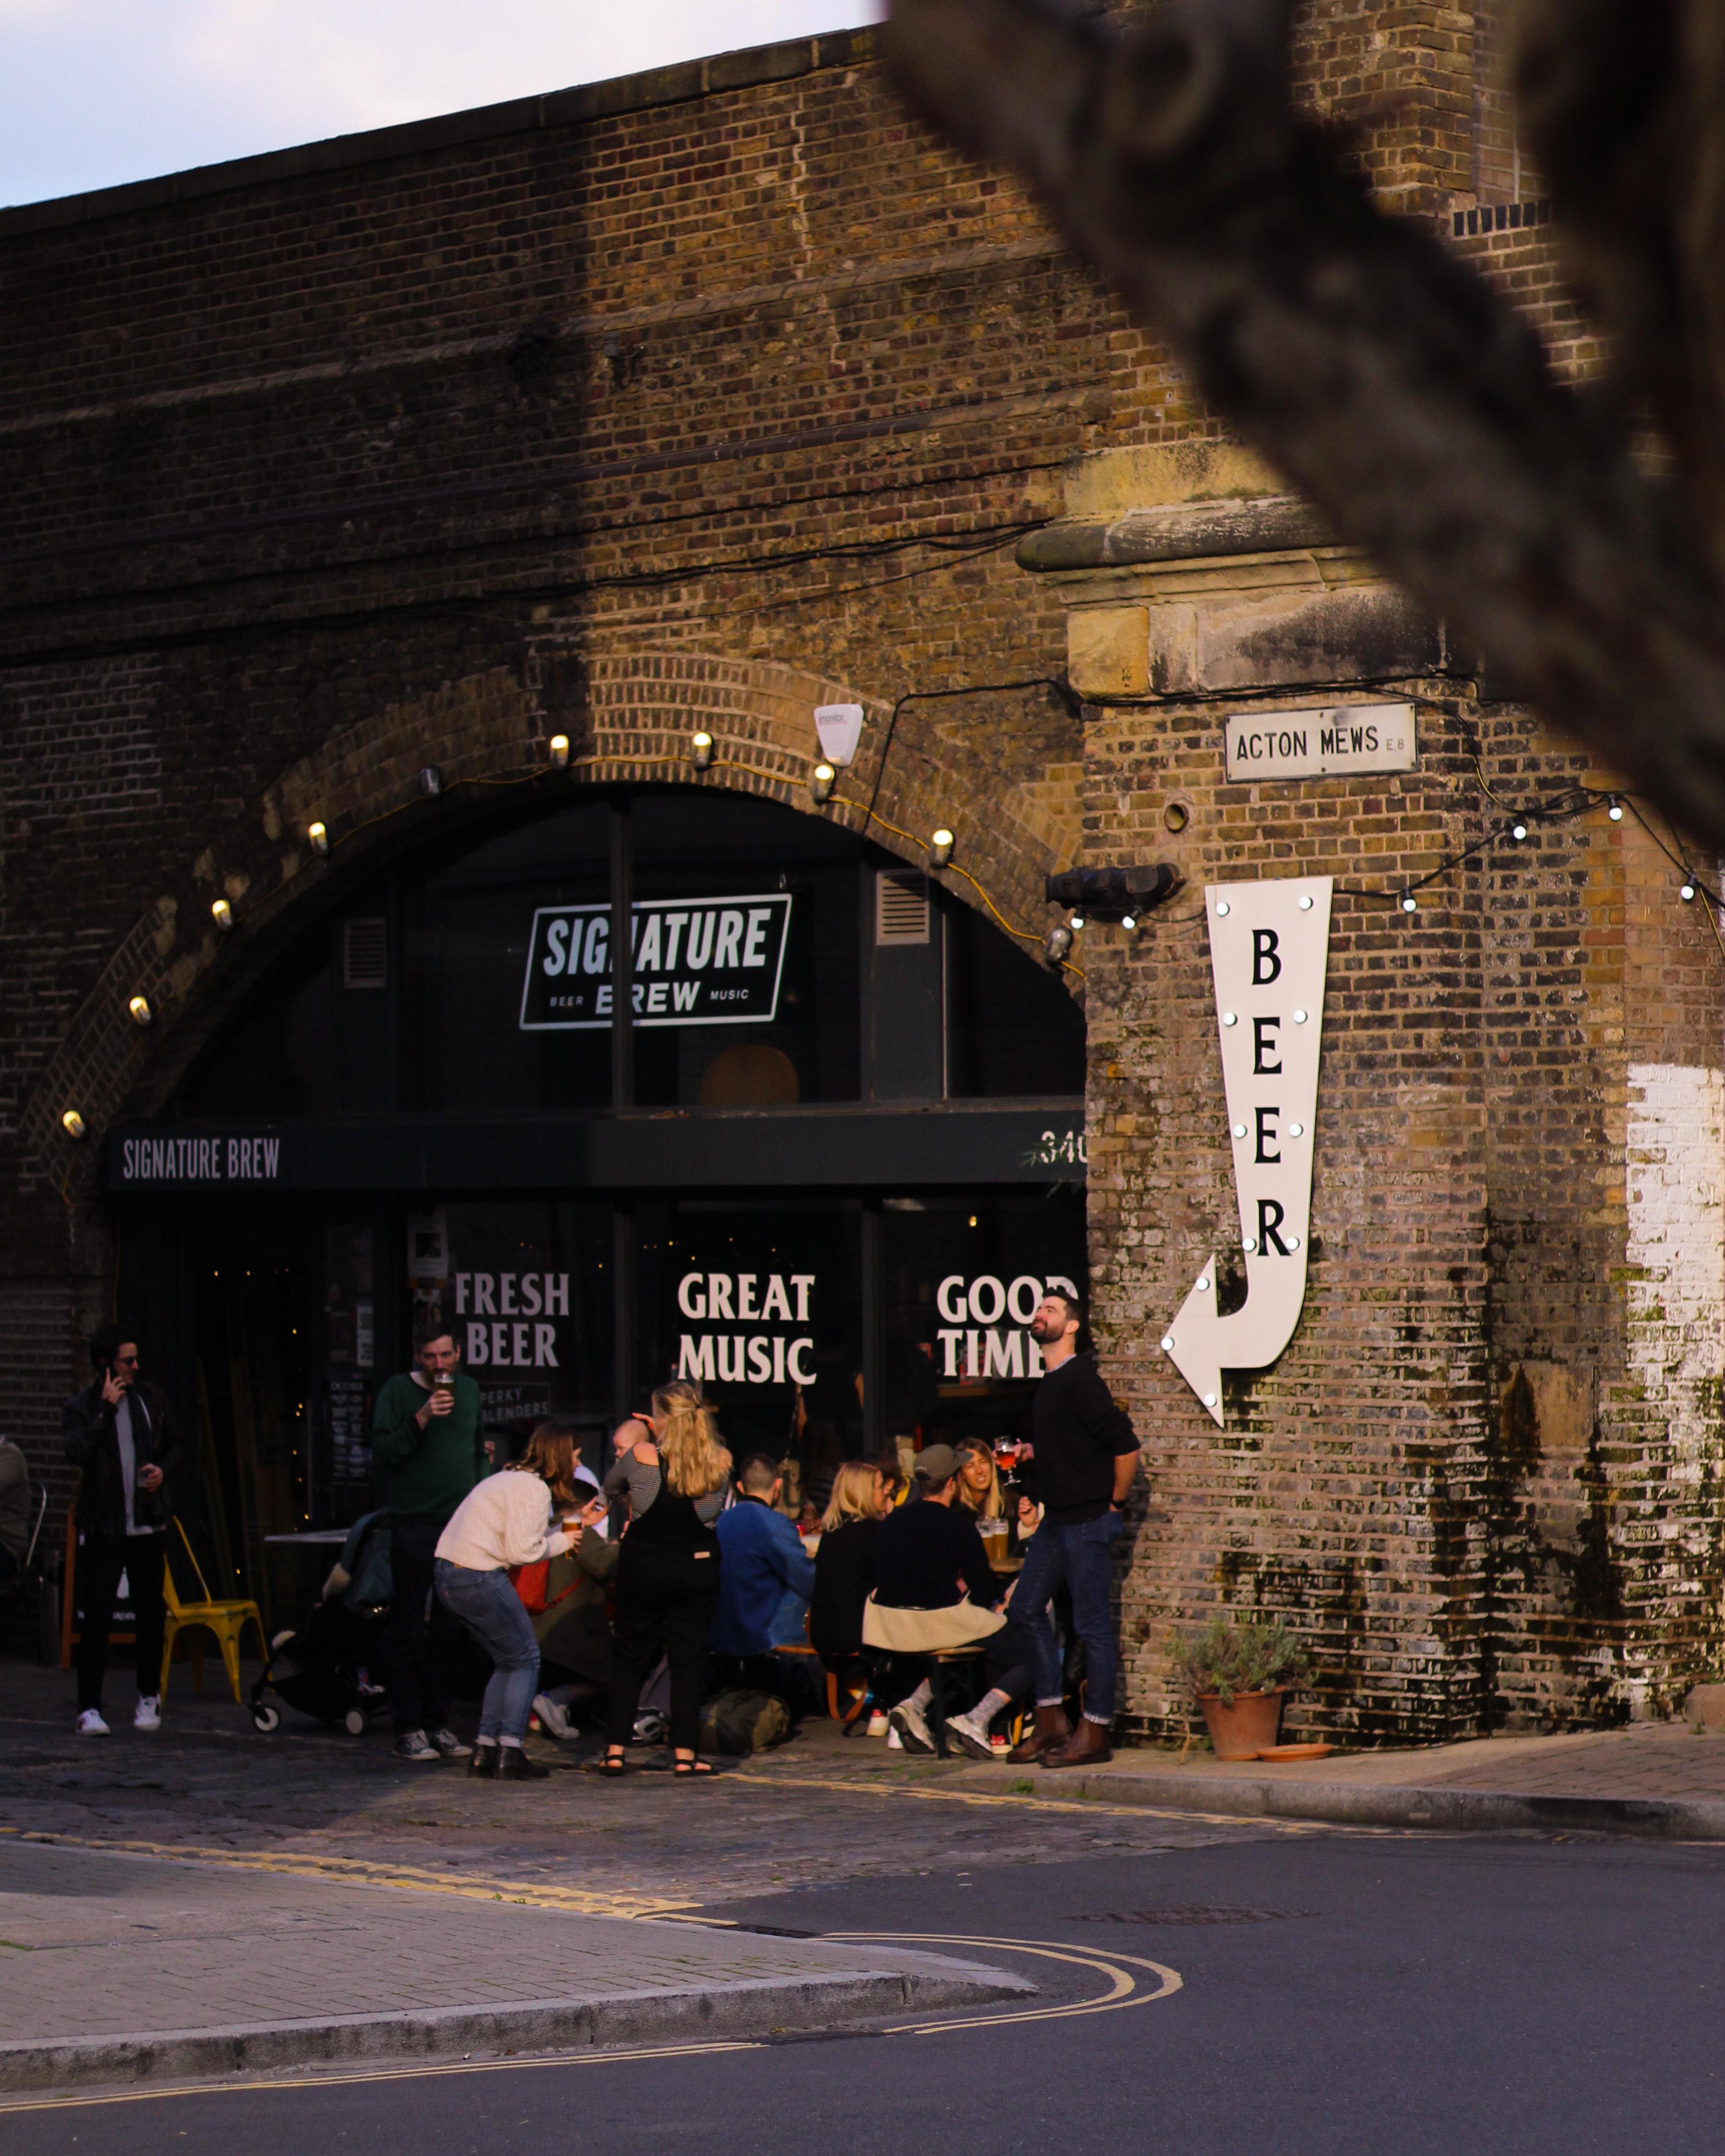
(628, 717)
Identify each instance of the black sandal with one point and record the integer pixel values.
(687, 1769)
(610, 1768)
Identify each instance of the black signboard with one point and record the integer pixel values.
(697, 962)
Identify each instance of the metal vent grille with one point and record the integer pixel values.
(901, 906)
(365, 954)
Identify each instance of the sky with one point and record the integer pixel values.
(96, 92)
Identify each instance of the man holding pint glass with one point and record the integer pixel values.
(428, 1443)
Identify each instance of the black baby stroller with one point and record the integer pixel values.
(325, 1669)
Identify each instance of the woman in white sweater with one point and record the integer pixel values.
(504, 1522)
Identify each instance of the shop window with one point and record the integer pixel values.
(525, 1289)
(961, 1279)
(761, 1304)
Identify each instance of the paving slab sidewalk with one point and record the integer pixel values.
(1654, 1780)
(118, 1967)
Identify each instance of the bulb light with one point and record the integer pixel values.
(558, 748)
(318, 834)
(940, 848)
(141, 1014)
(222, 914)
(700, 751)
(72, 1123)
(821, 782)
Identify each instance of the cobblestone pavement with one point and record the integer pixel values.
(818, 1812)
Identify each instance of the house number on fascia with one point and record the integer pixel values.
(1270, 946)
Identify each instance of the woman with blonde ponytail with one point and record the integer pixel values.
(676, 1473)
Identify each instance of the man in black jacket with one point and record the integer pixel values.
(119, 1435)
(1084, 1460)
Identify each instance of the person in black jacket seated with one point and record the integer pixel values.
(120, 1436)
(1084, 1461)
(933, 1588)
(845, 1563)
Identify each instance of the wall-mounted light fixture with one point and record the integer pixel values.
(821, 782)
(840, 726)
(1056, 943)
(940, 848)
(72, 1123)
(558, 748)
(1110, 893)
(431, 780)
(701, 750)
(318, 834)
(221, 913)
(141, 1014)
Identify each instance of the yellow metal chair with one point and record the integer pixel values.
(228, 1620)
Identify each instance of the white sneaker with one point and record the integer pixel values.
(149, 1713)
(895, 1742)
(908, 1719)
(91, 1724)
(877, 1724)
(552, 1720)
(970, 1735)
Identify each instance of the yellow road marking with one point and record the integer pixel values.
(366, 1871)
(1028, 1803)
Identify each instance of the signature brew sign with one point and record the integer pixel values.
(1270, 947)
(697, 962)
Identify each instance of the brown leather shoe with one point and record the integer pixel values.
(1088, 1746)
(1051, 1728)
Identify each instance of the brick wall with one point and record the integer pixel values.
(700, 397)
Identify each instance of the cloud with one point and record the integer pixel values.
(101, 91)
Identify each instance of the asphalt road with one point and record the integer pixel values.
(1337, 1994)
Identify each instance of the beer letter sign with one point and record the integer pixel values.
(1270, 945)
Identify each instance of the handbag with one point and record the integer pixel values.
(532, 1582)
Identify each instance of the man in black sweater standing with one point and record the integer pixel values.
(1084, 1460)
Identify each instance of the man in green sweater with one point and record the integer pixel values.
(429, 1445)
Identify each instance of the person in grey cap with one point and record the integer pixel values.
(933, 1588)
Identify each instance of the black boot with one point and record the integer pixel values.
(515, 1766)
(484, 1760)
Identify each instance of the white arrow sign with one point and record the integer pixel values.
(1270, 947)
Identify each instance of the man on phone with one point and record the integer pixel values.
(119, 1435)
(429, 1441)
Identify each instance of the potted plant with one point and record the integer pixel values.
(1237, 1671)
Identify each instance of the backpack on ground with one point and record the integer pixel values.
(739, 1722)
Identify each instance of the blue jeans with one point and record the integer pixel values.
(1080, 1557)
(491, 1610)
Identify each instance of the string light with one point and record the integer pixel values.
(821, 781)
(318, 834)
(1615, 811)
(72, 1122)
(1687, 892)
(940, 848)
(1518, 832)
(701, 750)
(141, 1014)
(222, 914)
(558, 746)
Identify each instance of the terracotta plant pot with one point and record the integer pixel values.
(1246, 1727)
